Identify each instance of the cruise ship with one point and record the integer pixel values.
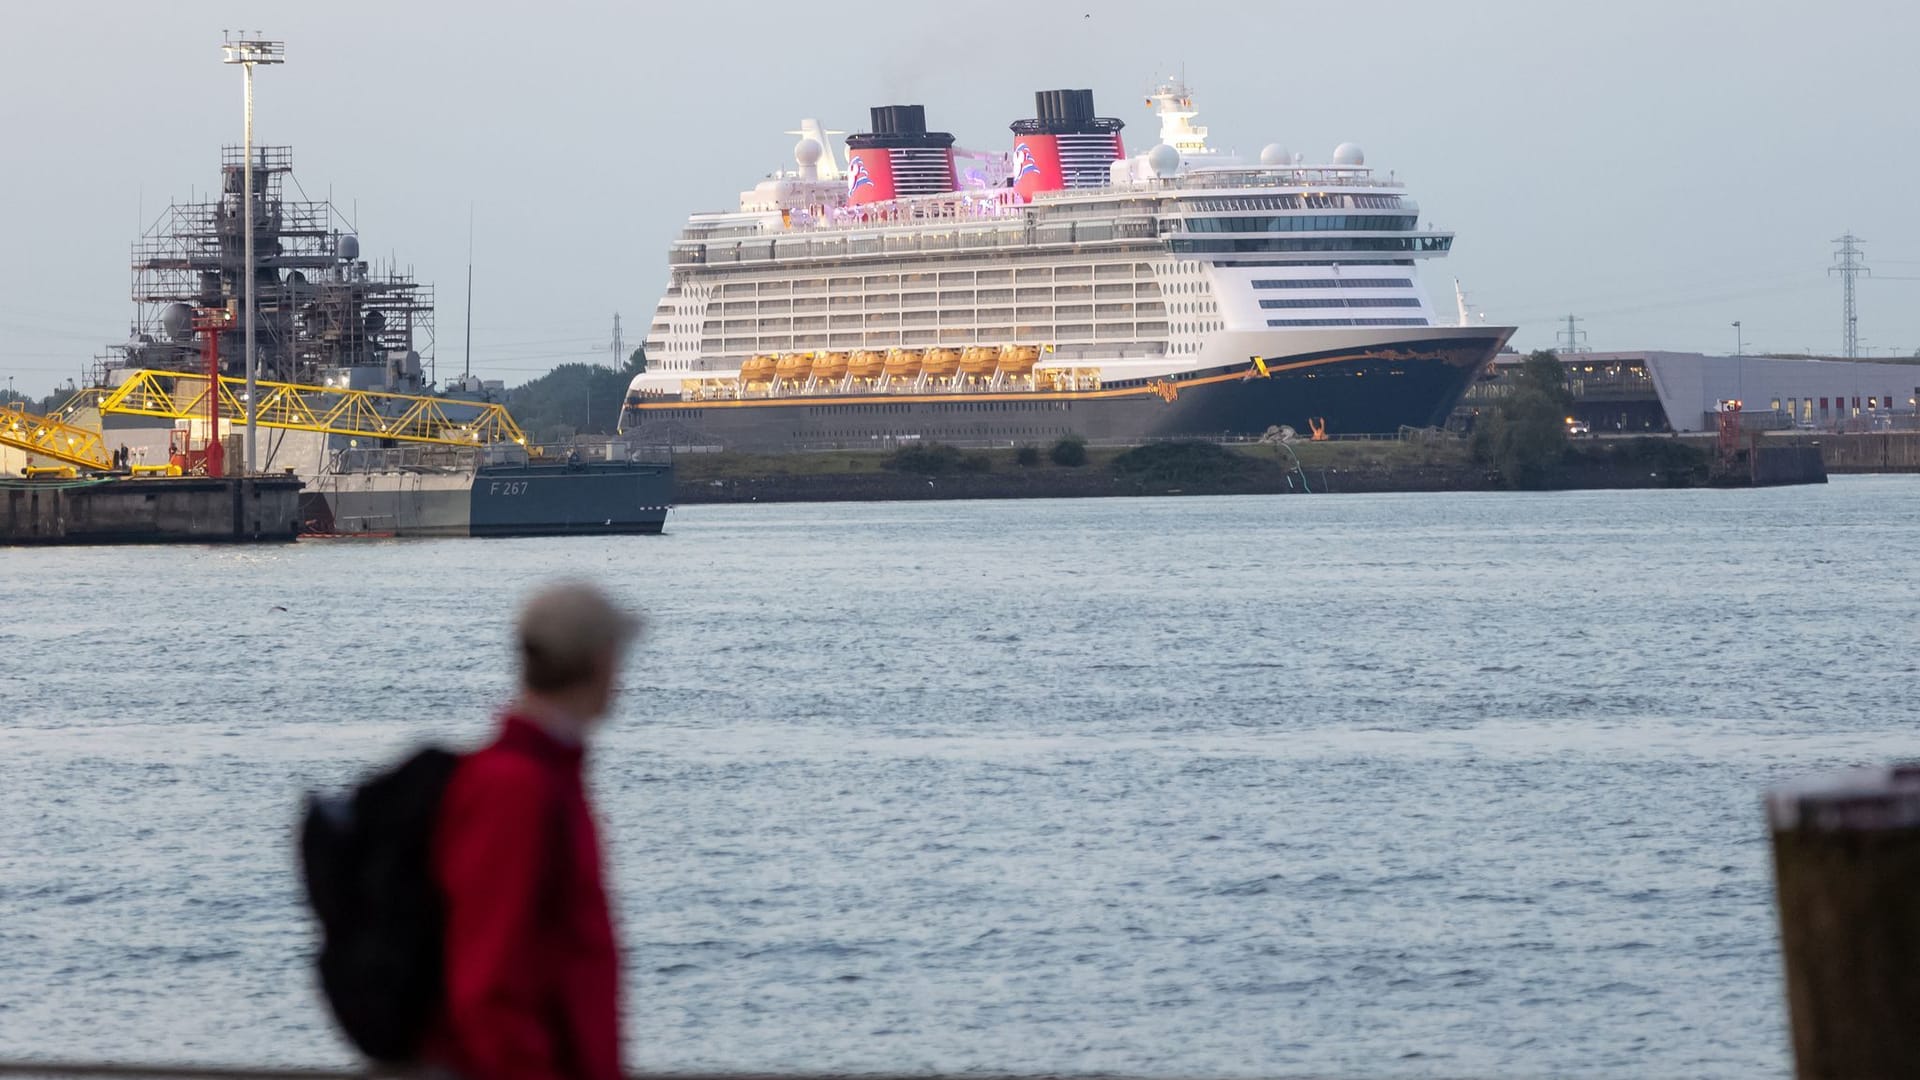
(922, 291)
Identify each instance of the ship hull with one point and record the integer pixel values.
(506, 500)
(1372, 389)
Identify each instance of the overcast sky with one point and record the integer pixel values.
(1659, 168)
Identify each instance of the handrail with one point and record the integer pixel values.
(176, 1072)
(146, 1071)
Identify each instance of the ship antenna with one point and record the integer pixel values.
(467, 373)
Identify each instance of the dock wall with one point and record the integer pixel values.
(197, 510)
(1872, 452)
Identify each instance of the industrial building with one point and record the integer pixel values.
(1650, 391)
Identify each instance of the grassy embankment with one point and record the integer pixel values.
(1377, 455)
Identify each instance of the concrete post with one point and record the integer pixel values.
(1846, 851)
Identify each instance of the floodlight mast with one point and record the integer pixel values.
(247, 52)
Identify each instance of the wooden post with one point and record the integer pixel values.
(1846, 860)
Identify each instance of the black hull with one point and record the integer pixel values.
(1373, 391)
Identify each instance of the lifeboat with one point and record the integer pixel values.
(1018, 359)
(794, 366)
(831, 365)
(979, 360)
(865, 364)
(941, 363)
(902, 363)
(757, 369)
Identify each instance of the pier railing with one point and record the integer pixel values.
(80, 1070)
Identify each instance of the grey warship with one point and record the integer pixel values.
(349, 401)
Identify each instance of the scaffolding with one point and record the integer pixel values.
(321, 306)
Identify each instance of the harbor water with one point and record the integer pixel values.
(1361, 785)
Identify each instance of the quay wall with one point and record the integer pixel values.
(152, 510)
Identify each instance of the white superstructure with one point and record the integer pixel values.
(1140, 275)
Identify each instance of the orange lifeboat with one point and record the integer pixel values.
(831, 365)
(794, 367)
(865, 363)
(979, 360)
(1018, 359)
(757, 369)
(940, 363)
(903, 363)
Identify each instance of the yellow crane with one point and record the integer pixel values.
(367, 414)
(51, 437)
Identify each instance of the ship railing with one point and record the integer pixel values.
(427, 458)
(422, 459)
(1303, 177)
(584, 451)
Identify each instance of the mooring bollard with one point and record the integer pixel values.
(1846, 864)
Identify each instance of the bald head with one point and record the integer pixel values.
(571, 637)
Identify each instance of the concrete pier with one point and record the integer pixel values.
(150, 510)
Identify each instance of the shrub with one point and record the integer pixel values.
(1185, 462)
(1027, 456)
(976, 463)
(924, 459)
(1070, 451)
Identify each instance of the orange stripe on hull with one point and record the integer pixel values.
(1154, 388)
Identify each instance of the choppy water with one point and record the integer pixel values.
(1381, 786)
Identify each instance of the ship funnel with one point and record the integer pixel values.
(899, 157)
(1065, 145)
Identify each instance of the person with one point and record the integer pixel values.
(531, 963)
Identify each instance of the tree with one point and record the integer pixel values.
(637, 361)
(572, 399)
(1070, 451)
(1524, 436)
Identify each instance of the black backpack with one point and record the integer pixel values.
(367, 856)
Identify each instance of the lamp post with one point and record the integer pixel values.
(247, 52)
(1739, 344)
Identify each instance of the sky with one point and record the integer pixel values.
(1660, 169)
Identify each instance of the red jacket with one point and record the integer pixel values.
(532, 968)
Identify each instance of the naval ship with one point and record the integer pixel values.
(1061, 287)
(346, 401)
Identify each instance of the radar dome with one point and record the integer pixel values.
(347, 247)
(177, 321)
(1164, 160)
(1275, 156)
(807, 152)
(1349, 154)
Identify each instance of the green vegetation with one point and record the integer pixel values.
(1187, 462)
(1070, 452)
(935, 459)
(1027, 457)
(42, 406)
(574, 399)
(1678, 464)
(1524, 436)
